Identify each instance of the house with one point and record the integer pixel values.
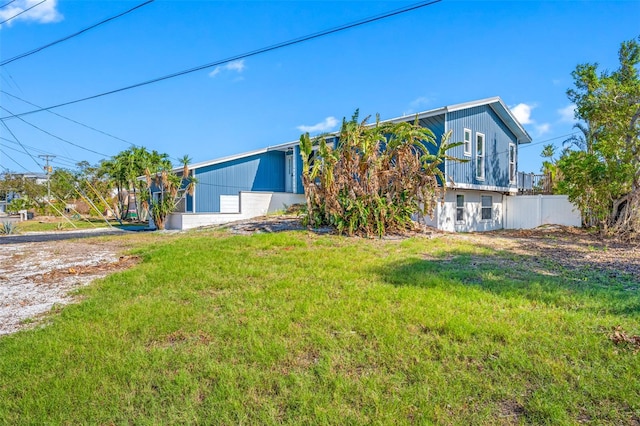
(7, 196)
(257, 182)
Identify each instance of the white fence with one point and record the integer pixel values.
(531, 211)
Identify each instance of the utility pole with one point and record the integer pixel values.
(48, 169)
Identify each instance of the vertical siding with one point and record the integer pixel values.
(261, 172)
(484, 120)
(436, 125)
(297, 171)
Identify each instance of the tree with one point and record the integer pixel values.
(16, 185)
(170, 188)
(149, 176)
(583, 141)
(376, 178)
(125, 170)
(604, 178)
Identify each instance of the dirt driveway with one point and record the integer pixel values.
(38, 272)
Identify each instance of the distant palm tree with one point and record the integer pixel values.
(584, 141)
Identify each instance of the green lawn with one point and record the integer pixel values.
(306, 329)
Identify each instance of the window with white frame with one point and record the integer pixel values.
(459, 208)
(467, 142)
(480, 156)
(487, 207)
(512, 163)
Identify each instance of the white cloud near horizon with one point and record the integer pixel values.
(237, 66)
(43, 13)
(567, 114)
(417, 104)
(329, 123)
(522, 112)
(543, 128)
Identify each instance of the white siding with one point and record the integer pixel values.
(445, 217)
(229, 204)
(251, 204)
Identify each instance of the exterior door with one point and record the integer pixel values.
(288, 172)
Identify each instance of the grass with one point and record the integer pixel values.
(303, 329)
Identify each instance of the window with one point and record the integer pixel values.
(459, 208)
(512, 163)
(467, 142)
(487, 206)
(480, 156)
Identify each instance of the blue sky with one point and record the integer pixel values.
(443, 54)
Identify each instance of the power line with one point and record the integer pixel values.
(240, 56)
(9, 157)
(20, 13)
(80, 124)
(7, 4)
(12, 82)
(549, 140)
(69, 159)
(71, 120)
(60, 162)
(20, 143)
(53, 136)
(31, 52)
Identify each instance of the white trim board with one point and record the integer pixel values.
(491, 188)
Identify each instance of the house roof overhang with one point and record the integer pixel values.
(495, 103)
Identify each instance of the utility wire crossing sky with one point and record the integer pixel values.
(392, 58)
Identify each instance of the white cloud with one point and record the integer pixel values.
(417, 104)
(567, 113)
(421, 101)
(43, 13)
(324, 126)
(543, 128)
(522, 112)
(237, 66)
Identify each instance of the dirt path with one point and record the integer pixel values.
(35, 276)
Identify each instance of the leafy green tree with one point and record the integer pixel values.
(63, 183)
(149, 176)
(124, 171)
(15, 184)
(604, 179)
(376, 178)
(167, 189)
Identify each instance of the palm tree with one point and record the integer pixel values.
(584, 141)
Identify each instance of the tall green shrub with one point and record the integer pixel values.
(375, 179)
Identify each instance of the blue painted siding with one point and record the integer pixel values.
(484, 120)
(299, 189)
(261, 172)
(436, 125)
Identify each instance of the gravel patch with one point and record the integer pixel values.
(35, 277)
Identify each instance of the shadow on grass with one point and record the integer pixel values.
(532, 277)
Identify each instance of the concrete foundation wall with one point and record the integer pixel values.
(252, 204)
(445, 216)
